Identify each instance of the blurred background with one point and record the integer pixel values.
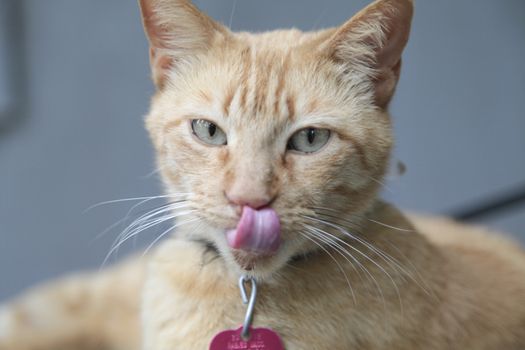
(74, 87)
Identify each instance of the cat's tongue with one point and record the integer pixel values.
(258, 231)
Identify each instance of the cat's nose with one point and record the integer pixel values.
(254, 201)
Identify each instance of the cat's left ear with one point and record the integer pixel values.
(177, 31)
(372, 42)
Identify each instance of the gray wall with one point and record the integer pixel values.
(77, 138)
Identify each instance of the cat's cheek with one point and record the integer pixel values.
(354, 175)
(185, 155)
(174, 180)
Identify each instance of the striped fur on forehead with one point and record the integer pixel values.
(252, 84)
(263, 86)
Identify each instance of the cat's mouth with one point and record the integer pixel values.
(256, 238)
(258, 232)
(246, 260)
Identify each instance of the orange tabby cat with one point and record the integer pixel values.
(272, 147)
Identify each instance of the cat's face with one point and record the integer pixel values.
(282, 125)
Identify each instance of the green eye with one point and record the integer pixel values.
(309, 140)
(208, 132)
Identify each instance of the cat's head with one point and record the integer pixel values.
(267, 135)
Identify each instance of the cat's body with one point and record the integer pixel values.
(236, 123)
(463, 289)
(456, 304)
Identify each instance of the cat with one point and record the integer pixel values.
(272, 148)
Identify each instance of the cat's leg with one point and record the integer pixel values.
(91, 311)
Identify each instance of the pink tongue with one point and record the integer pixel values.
(257, 231)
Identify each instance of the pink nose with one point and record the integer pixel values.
(253, 201)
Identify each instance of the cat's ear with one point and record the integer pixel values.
(177, 31)
(372, 42)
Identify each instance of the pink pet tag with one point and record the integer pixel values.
(260, 339)
(246, 337)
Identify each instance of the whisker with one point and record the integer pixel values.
(168, 231)
(127, 215)
(146, 221)
(390, 226)
(308, 236)
(365, 270)
(137, 221)
(146, 225)
(426, 289)
(332, 243)
(115, 248)
(154, 171)
(365, 217)
(315, 26)
(380, 182)
(355, 249)
(386, 257)
(145, 198)
(150, 220)
(159, 210)
(234, 6)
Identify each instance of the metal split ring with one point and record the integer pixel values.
(248, 319)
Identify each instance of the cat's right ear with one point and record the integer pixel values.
(371, 43)
(177, 31)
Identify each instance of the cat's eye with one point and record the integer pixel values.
(208, 132)
(308, 140)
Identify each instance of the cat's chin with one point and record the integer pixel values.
(249, 261)
(260, 266)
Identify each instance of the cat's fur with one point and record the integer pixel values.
(370, 278)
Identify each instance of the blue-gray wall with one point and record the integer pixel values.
(77, 137)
